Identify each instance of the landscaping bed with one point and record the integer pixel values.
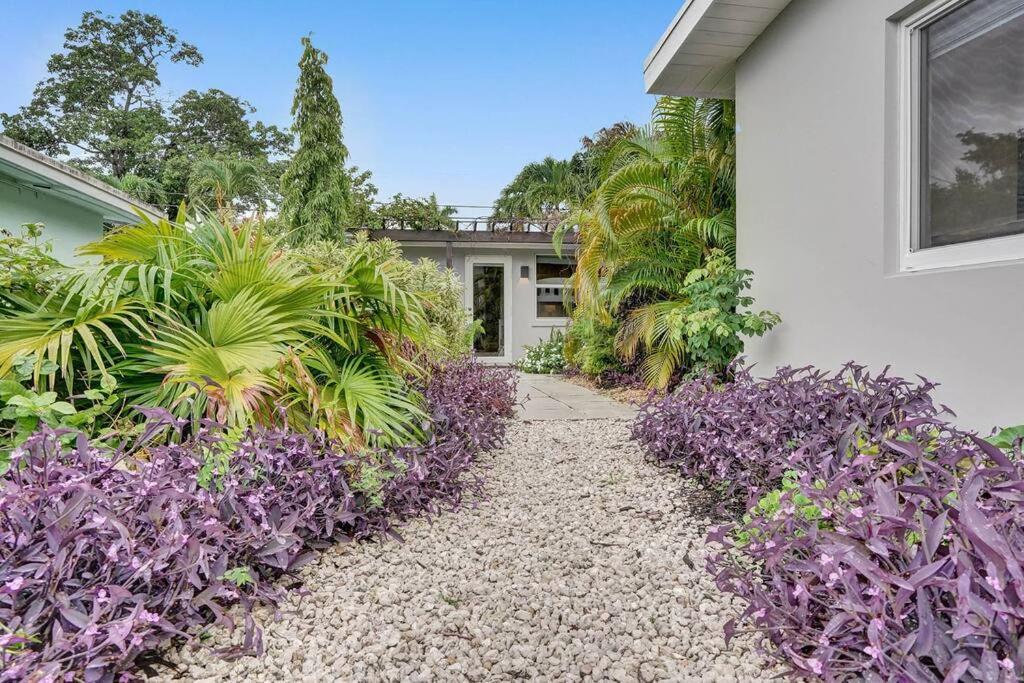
(582, 562)
(107, 554)
(879, 542)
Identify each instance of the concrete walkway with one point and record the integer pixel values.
(549, 397)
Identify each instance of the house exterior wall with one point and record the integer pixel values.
(525, 328)
(818, 220)
(68, 226)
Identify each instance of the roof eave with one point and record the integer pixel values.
(113, 203)
(697, 54)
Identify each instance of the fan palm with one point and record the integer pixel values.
(212, 320)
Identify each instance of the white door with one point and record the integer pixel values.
(487, 292)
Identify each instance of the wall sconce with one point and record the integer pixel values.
(524, 273)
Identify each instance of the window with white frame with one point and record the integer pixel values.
(552, 275)
(963, 134)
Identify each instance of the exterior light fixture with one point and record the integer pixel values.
(524, 273)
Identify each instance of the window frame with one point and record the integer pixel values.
(546, 320)
(993, 250)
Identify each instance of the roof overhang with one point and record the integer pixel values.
(697, 54)
(39, 173)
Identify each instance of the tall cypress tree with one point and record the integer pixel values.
(315, 188)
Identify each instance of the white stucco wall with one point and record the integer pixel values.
(818, 220)
(525, 327)
(68, 226)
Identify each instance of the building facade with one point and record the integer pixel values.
(880, 148)
(514, 281)
(73, 206)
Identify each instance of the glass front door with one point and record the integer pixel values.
(489, 308)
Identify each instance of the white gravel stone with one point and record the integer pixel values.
(583, 563)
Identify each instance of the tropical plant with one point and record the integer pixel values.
(879, 542)
(134, 546)
(590, 346)
(439, 291)
(409, 213)
(664, 208)
(148, 190)
(668, 198)
(700, 326)
(315, 187)
(26, 265)
(220, 183)
(541, 189)
(207, 319)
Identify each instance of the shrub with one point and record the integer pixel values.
(213, 320)
(590, 346)
(546, 357)
(439, 290)
(879, 543)
(742, 435)
(106, 555)
(701, 327)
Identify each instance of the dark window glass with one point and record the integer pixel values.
(552, 274)
(972, 107)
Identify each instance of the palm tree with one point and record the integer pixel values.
(541, 189)
(667, 199)
(225, 182)
(144, 189)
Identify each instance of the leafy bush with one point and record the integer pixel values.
(545, 357)
(701, 328)
(26, 264)
(211, 320)
(439, 291)
(106, 555)
(879, 544)
(590, 346)
(743, 434)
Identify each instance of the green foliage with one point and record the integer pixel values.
(240, 576)
(100, 108)
(702, 328)
(26, 265)
(408, 213)
(546, 357)
(656, 242)
(217, 459)
(315, 187)
(24, 410)
(771, 503)
(450, 329)
(590, 346)
(1009, 439)
(551, 187)
(99, 98)
(225, 184)
(208, 319)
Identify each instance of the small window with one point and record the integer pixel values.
(552, 274)
(966, 128)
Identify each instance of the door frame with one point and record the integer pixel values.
(506, 283)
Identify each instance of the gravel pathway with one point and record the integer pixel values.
(584, 563)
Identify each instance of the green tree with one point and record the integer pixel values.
(541, 189)
(315, 187)
(214, 125)
(100, 98)
(408, 213)
(225, 183)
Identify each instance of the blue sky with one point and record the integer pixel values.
(438, 95)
